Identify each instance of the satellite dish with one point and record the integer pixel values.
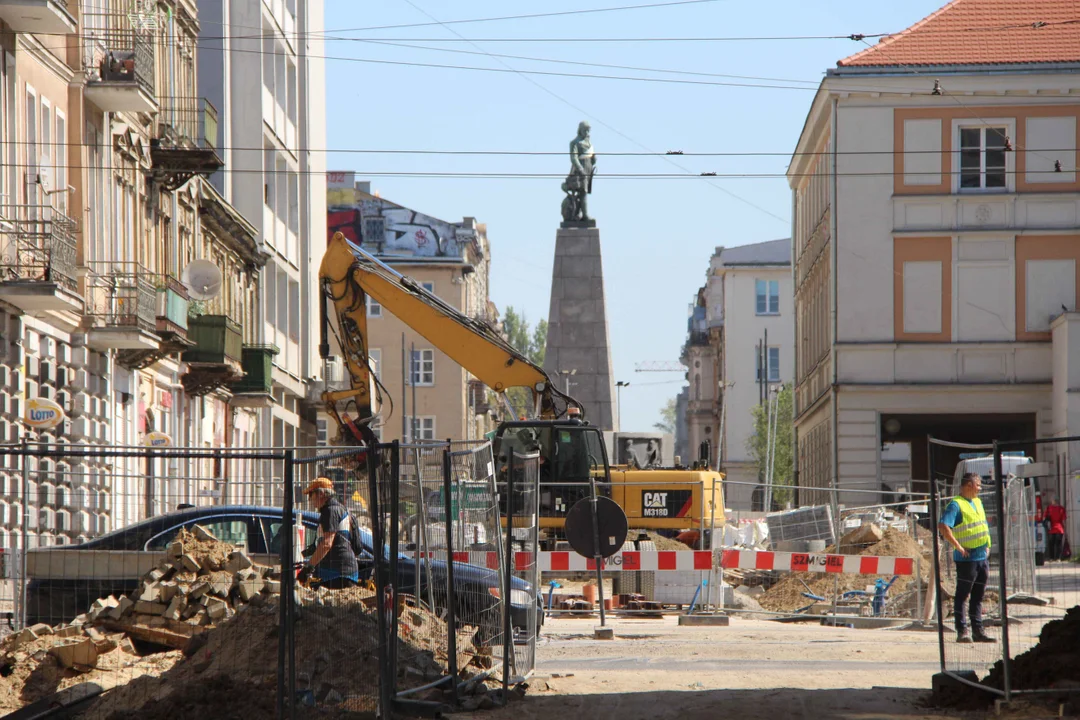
(203, 279)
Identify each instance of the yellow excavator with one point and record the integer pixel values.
(572, 451)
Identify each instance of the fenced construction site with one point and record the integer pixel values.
(199, 607)
(1033, 587)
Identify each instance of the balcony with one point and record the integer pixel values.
(186, 144)
(122, 80)
(216, 358)
(37, 260)
(37, 16)
(121, 307)
(256, 387)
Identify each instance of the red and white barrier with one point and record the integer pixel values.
(700, 560)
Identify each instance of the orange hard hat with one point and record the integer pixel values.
(319, 484)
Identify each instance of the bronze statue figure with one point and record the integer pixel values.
(578, 184)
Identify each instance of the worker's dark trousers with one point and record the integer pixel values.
(339, 583)
(970, 585)
(1056, 545)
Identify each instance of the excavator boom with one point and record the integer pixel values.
(350, 275)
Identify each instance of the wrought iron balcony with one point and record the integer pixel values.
(186, 144)
(121, 70)
(121, 306)
(216, 358)
(38, 16)
(255, 389)
(37, 259)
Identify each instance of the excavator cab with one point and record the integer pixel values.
(571, 454)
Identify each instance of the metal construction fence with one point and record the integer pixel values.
(1032, 585)
(129, 568)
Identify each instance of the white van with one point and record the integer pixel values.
(1010, 461)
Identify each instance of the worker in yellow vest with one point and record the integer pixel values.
(964, 526)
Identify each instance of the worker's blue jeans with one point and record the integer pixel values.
(970, 584)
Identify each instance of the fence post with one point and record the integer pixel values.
(25, 533)
(937, 551)
(451, 592)
(508, 631)
(288, 578)
(598, 557)
(378, 573)
(395, 477)
(999, 490)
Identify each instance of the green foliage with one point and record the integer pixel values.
(667, 418)
(529, 342)
(784, 457)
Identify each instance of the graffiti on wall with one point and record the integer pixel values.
(386, 228)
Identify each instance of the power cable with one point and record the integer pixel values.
(531, 16)
(621, 134)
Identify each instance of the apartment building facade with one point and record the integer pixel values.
(270, 88)
(739, 349)
(935, 246)
(431, 397)
(103, 206)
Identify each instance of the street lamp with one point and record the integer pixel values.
(619, 386)
(566, 374)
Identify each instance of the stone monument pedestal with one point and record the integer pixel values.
(578, 341)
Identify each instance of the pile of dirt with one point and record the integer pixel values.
(663, 543)
(221, 654)
(1054, 663)
(788, 594)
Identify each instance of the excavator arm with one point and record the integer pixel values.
(349, 275)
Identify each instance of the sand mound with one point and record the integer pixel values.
(787, 595)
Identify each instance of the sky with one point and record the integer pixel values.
(657, 234)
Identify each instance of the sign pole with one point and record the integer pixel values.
(597, 556)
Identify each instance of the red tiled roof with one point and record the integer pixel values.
(982, 32)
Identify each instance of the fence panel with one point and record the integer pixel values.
(334, 644)
(135, 570)
(1041, 575)
(522, 624)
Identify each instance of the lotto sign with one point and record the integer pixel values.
(158, 439)
(666, 503)
(43, 414)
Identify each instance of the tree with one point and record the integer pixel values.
(530, 343)
(783, 463)
(668, 419)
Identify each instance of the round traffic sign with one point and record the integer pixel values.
(612, 527)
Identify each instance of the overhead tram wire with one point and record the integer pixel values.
(785, 221)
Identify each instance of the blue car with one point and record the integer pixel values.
(63, 584)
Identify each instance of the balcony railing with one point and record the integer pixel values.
(128, 57)
(258, 369)
(172, 307)
(218, 340)
(121, 295)
(37, 243)
(187, 142)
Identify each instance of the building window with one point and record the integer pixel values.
(374, 309)
(420, 428)
(429, 287)
(768, 297)
(983, 158)
(375, 360)
(774, 364)
(423, 367)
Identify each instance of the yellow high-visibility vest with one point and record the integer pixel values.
(973, 531)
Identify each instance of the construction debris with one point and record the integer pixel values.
(212, 618)
(801, 591)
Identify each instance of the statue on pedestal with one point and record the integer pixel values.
(578, 184)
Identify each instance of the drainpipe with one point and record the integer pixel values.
(834, 296)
